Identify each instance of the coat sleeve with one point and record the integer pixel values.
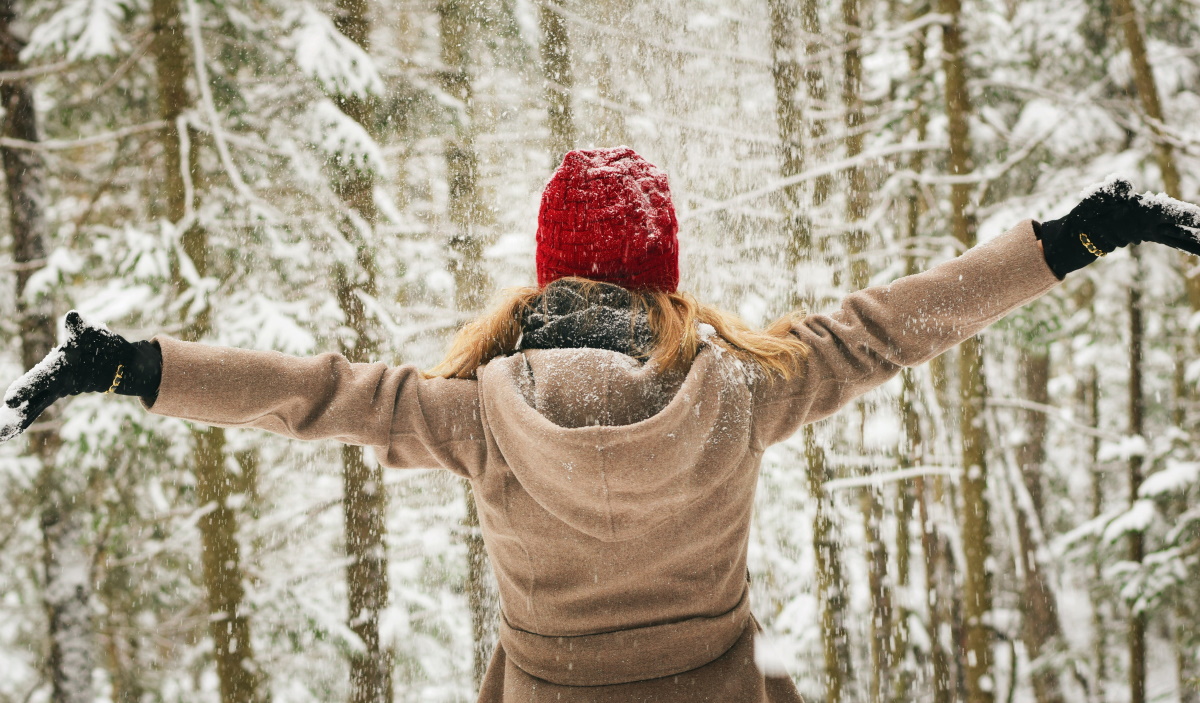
(410, 420)
(879, 330)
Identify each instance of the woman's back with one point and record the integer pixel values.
(615, 499)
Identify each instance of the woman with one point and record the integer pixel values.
(611, 427)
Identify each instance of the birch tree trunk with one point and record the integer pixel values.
(559, 77)
(229, 625)
(976, 511)
(365, 501)
(470, 283)
(67, 590)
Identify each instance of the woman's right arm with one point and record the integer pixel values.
(412, 421)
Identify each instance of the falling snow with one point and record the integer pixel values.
(444, 116)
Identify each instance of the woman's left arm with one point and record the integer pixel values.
(879, 330)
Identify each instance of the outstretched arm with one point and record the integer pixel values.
(411, 420)
(882, 329)
(879, 330)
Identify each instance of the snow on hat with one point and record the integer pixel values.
(607, 215)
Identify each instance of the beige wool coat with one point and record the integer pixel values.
(615, 501)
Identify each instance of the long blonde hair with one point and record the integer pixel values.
(674, 320)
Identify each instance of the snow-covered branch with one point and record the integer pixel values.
(84, 142)
(826, 169)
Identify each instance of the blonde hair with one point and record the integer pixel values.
(674, 320)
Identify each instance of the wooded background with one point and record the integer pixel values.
(1016, 521)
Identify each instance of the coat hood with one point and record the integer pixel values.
(608, 444)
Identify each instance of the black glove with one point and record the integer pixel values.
(1111, 217)
(92, 360)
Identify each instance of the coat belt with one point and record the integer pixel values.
(624, 656)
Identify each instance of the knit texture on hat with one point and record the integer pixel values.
(607, 216)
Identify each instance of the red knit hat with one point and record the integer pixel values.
(607, 215)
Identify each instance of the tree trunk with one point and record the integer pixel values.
(976, 516)
(939, 617)
(882, 630)
(831, 584)
(1183, 638)
(858, 197)
(229, 626)
(1147, 89)
(814, 78)
(789, 120)
(1039, 618)
(1136, 539)
(913, 453)
(362, 480)
(1099, 622)
(857, 205)
(908, 456)
(220, 559)
(798, 246)
(1148, 95)
(68, 583)
(559, 78)
(470, 283)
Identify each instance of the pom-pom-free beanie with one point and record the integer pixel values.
(607, 215)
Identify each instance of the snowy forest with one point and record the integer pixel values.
(1015, 521)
